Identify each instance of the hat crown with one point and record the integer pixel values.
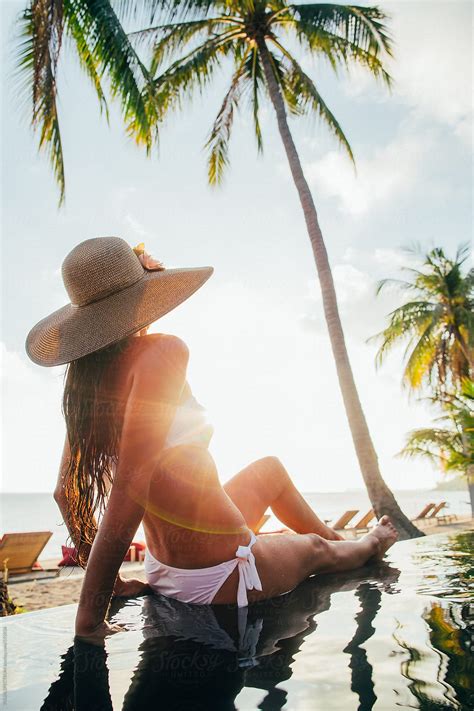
(99, 267)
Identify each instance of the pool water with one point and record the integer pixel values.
(395, 635)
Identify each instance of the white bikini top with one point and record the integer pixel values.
(190, 425)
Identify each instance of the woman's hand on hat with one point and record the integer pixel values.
(147, 261)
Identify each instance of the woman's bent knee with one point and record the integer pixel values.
(323, 553)
(270, 461)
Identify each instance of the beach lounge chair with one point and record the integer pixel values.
(434, 516)
(363, 525)
(20, 551)
(424, 512)
(342, 522)
(437, 509)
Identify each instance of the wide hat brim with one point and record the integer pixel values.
(73, 331)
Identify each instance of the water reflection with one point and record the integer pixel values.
(441, 672)
(452, 634)
(362, 683)
(449, 683)
(199, 657)
(447, 565)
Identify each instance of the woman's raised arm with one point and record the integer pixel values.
(158, 378)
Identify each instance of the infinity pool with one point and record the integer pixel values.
(398, 635)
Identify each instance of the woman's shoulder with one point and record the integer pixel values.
(157, 345)
(158, 354)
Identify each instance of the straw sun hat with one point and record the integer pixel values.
(114, 291)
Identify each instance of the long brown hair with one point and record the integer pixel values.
(94, 423)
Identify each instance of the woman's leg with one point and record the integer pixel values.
(286, 560)
(266, 483)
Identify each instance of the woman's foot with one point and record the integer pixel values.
(385, 534)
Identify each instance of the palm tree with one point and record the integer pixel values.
(195, 39)
(452, 445)
(437, 324)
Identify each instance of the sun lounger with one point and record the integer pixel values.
(342, 522)
(365, 520)
(363, 525)
(424, 512)
(437, 509)
(434, 516)
(19, 551)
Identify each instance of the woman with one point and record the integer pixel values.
(136, 451)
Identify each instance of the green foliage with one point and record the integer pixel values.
(437, 325)
(105, 53)
(194, 39)
(452, 445)
(41, 33)
(340, 34)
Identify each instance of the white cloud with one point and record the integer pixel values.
(351, 284)
(432, 63)
(137, 229)
(392, 170)
(383, 261)
(434, 58)
(361, 313)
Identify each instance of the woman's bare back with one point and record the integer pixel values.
(189, 520)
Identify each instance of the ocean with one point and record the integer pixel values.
(39, 512)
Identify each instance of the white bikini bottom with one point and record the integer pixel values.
(200, 585)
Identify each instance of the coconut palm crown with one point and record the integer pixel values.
(437, 324)
(186, 54)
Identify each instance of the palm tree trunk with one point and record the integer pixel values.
(380, 495)
(470, 486)
(469, 470)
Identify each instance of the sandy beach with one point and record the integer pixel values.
(65, 588)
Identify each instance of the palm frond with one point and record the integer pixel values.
(41, 28)
(361, 26)
(140, 11)
(437, 444)
(383, 284)
(256, 78)
(148, 11)
(407, 321)
(167, 40)
(218, 141)
(117, 59)
(193, 71)
(176, 10)
(463, 252)
(300, 91)
(79, 33)
(422, 357)
(340, 51)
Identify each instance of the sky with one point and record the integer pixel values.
(260, 359)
